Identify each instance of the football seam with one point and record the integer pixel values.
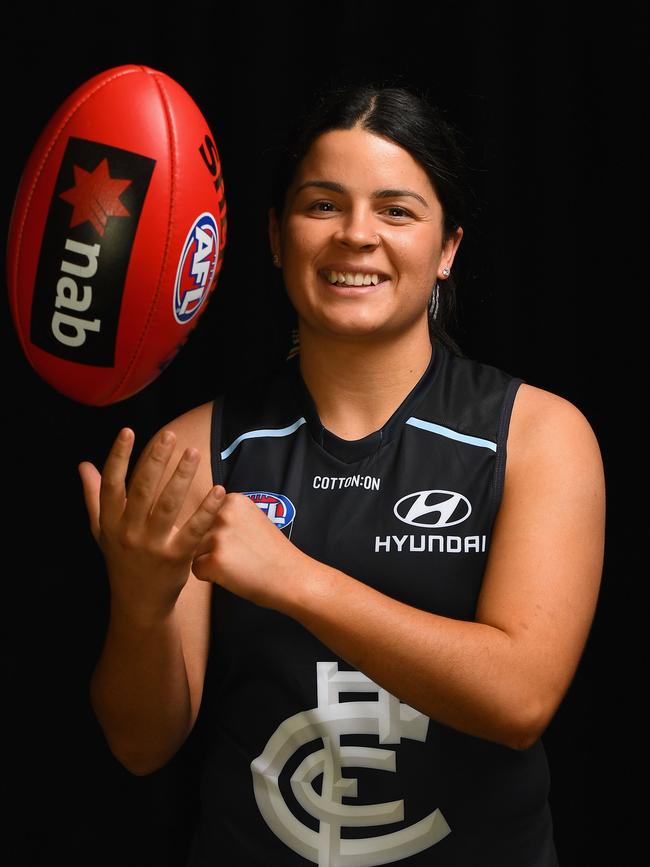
(164, 98)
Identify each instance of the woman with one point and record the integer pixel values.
(382, 669)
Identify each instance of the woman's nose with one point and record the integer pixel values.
(358, 229)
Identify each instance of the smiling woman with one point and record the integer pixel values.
(354, 594)
(373, 229)
(426, 142)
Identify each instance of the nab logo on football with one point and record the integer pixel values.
(87, 242)
(196, 268)
(279, 509)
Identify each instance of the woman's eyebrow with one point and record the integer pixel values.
(378, 194)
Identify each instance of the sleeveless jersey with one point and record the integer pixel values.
(307, 760)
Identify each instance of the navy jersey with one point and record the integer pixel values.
(307, 760)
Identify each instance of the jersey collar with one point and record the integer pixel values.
(349, 451)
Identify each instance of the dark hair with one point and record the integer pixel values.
(415, 125)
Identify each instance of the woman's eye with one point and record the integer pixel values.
(404, 213)
(320, 206)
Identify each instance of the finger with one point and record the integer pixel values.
(112, 491)
(143, 456)
(91, 482)
(197, 525)
(145, 479)
(171, 498)
(202, 567)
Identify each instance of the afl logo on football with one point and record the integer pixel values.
(196, 268)
(433, 508)
(279, 509)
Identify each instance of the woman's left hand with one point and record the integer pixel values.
(246, 553)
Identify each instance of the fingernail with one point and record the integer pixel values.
(167, 437)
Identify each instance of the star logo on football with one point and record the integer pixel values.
(95, 197)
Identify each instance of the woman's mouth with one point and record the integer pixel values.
(346, 289)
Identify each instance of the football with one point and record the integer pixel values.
(117, 235)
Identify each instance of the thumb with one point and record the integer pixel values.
(91, 482)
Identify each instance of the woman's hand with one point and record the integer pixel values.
(147, 556)
(248, 555)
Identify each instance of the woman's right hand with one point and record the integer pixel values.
(147, 556)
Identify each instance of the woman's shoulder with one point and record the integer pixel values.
(192, 427)
(194, 418)
(536, 408)
(546, 426)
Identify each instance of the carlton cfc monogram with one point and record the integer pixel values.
(384, 717)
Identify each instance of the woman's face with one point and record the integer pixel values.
(361, 204)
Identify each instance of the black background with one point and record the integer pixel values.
(547, 97)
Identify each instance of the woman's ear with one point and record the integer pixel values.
(274, 231)
(450, 247)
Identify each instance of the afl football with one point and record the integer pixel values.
(117, 235)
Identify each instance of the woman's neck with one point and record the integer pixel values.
(357, 386)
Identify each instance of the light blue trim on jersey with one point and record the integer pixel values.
(263, 432)
(452, 434)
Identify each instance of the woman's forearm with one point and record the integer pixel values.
(463, 674)
(139, 691)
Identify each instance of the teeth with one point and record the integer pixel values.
(350, 279)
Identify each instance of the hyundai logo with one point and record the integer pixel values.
(433, 508)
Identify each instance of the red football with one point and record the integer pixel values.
(117, 235)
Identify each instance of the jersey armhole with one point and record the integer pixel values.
(215, 440)
(498, 479)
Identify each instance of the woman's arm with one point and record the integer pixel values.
(147, 683)
(502, 677)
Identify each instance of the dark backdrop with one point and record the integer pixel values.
(542, 95)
